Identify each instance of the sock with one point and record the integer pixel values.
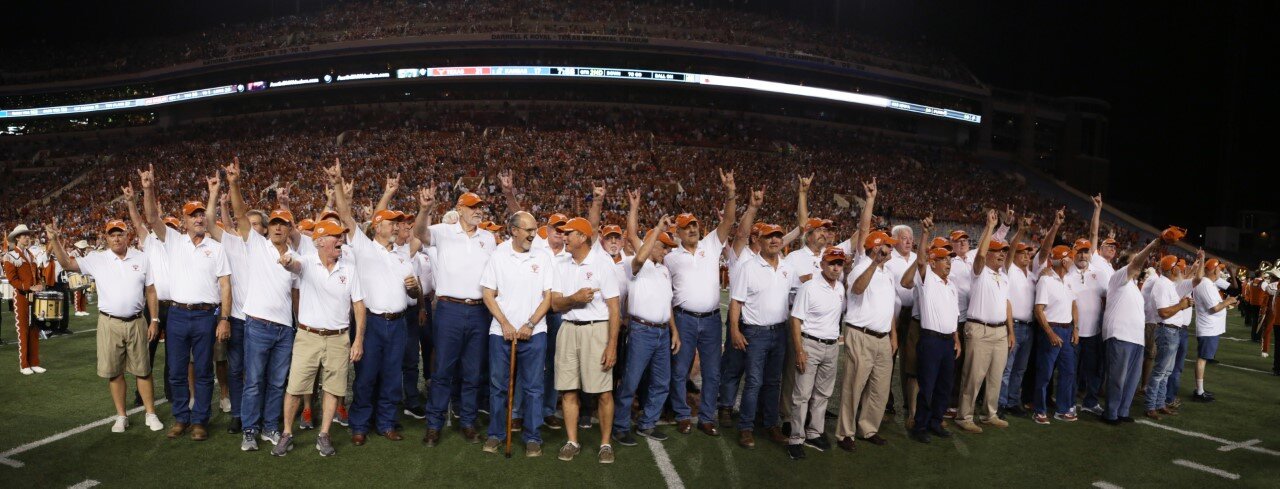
(1199, 386)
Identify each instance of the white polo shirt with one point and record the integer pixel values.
(818, 306)
(1149, 306)
(520, 281)
(237, 258)
(696, 276)
(270, 285)
(763, 291)
(650, 293)
(989, 296)
(196, 268)
(898, 266)
(158, 259)
(1022, 294)
(325, 296)
(1090, 286)
(938, 302)
(424, 266)
(1209, 323)
(1056, 296)
(382, 274)
(1102, 265)
(874, 308)
(622, 269)
(121, 282)
(961, 277)
(1164, 293)
(458, 257)
(805, 262)
(1123, 318)
(595, 272)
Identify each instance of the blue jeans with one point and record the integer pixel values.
(648, 350)
(1124, 371)
(416, 349)
(461, 332)
(235, 366)
(549, 393)
(1162, 368)
(268, 351)
(935, 373)
(704, 336)
(765, 355)
(190, 339)
(379, 368)
(733, 362)
(1064, 359)
(1179, 359)
(529, 361)
(1092, 368)
(1011, 382)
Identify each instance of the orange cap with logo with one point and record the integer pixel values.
(1211, 264)
(387, 215)
(684, 220)
(115, 224)
(834, 253)
(815, 223)
(666, 239)
(306, 224)
(959, 234)
(1082, 244)
(557, 220)
(469, 199)
(610, 229)
(997, 244)
(878, 238)
(940, 242)
(1020, 246)
(1167, 262)
(172, 222)
(1059, 252)
(191, 207)
(327, 228)
(329, 215)
(935, 253)
(578, 224)
(282, 215)
(1172, 234)
(770, 229)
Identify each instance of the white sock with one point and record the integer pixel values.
(1199, 386)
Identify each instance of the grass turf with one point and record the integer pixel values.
(1059, 455)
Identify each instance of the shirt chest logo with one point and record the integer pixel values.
(342, 279)
(589, 275)
(534, 267)
(208, 253)
(702, 254)
(136, 268)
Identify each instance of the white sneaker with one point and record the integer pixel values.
(81, 313)
(1265, 354)
(225, 404)
(121, 423)
(27, 371)
(38, 370)
(154, 423)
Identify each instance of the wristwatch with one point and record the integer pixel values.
(223, 318)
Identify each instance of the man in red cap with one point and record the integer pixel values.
(228, 355)
(125, 287)
(988, 331)
(551, 240)
(939, 343)
(1211, 320)
(695, 276)
(157, 260)
(1056, 314)
(814, 329)
(746, 243)
(201, 311)
(1174, 309)
(1088, 279)
(1022, 296)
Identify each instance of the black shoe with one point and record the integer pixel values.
(1112, 422)
(832, 414)
(653, 434)
(234, 427)
(691, 387)
(819, 443)
(1202, 397)
(940, 432)
(1015, 411)
(796, 452)
(1126, 419)
(1210, 361)
(625, 439)
(1210, 395)
(921, 436)
(786, 426)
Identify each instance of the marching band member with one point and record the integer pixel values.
(20, 268)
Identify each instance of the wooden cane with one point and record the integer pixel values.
(511, 386)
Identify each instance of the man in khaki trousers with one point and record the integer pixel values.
(988, 333)
(869, 343)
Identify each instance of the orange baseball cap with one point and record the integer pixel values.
(306, 224)
(280, 214)
(329, 215)
(172, 222)
(834, 253)
(557, 220)
(666, 239)
(387, 215)
(997, 244)
(1109, 242)
(1082, 244)
(684, 220)
(219, 224)
(815, 223)
(542, 232)
(1059, 252)
(469, 199)
(1182, 264)
(490, 226)
(940, 242)
(755, 228)
(1211, 264)
(935, 253)
(578, 224)
(770, 229)
(1173, 233)
(327, 228)
(115, 224)
(1167, 262)
(1020, 246)
(878, 238)
(959, 234)
(408, 216)
(191, 207)
(611, 229)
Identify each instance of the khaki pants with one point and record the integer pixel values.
(811, 390)
(867, 378)
(986, 353)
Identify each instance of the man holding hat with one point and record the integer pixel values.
(20, 268)
(988, 331)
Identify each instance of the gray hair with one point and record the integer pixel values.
(513, 221)
(899, 229)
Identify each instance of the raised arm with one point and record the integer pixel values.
(633, 220)
(139, 226)
(388, 192)
(239, 210)
(342, 200)
(597, 205)
(507, 182)
(646, 248)
(980, 260)
(730, 206)
(908, 279)
(1042, 254)
(149, 202)
(426, 205)
(1097, 219)
(282, 202)
(864, 220)
(1199, 266)
(215, 232)
(743, 236)
(55, 245)
(1140, 258)
(1024, 223)
(802, 201)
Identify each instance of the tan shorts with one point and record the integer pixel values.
(326, 356)
(578, 353)
(1150, 350)
(122, 347)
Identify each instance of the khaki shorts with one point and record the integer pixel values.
(122, 347)
(1150, 350)
(578, 353)
(326, 356)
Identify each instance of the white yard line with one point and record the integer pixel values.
(1206, 468)
(1106, 485)
(15, 342)
(86, 484)
(4, 457)
(1220, 364)
(1250, 445)
(663, 460)
(1243, 444)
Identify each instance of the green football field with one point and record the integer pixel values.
(55, 432)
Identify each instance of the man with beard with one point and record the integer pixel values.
(988, 332)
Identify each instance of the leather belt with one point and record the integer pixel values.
(1060, 325)
(273, 323)
(196, 307)
(321, 332)
(129, 319)
(817, 339)
(1172, 326)
(390, 316)
(930, 332)
(990, 325)
(647, 323)
(763, 326)
(585, 323)
(455, 300)
(696, 314)
(875, 334)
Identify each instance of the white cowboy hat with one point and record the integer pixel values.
(82, 244)
(19, 230)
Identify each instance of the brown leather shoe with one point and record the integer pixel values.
(470, 435)
(393, 435)
(846, 444)
(432, 438)
(358, 439)
(1154, 414)
(553, 422)
(177, 430)
(746, 439)
(726, 416)
(776, 436)
(709, 429)
(1168, 411)
(684, 427)
(198, 433)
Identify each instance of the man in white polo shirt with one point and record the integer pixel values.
(329, 297)
(125, 285)
(869, 343)
(758, 312)
(1022, 296)
(1211, 320)
(1089, 280)
(1124, 332)
(939, 343)
(814, 329)
(1056, 315)
(201, 288)
(988, 332)
(586, 291)
(899, 263)
(157, 260)
(517, 286)
(695, 275)
(1174, 309)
